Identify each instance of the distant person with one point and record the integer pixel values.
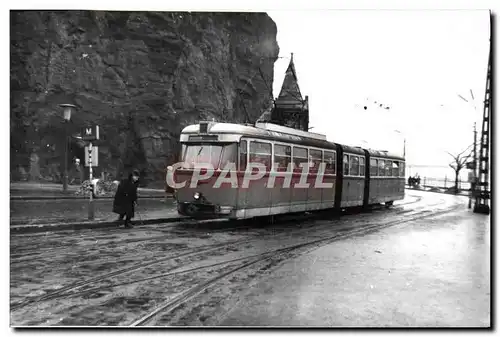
(126, 198)
(77, 172)
(34, 166)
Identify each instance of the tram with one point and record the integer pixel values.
(298, 171)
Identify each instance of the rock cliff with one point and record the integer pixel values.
(141, 76)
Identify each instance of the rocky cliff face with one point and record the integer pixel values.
(141, 76)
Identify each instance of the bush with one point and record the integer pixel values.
(103, 188)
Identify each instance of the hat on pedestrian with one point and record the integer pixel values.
(136, 173)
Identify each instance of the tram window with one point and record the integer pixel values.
(282, 157)
(373, 167)
(388, 168)
(315, 157)
(299, 156)
(381, 167)
(243, 155)
(260, 153)
(330, 161)
(354, 166)
(203, 154)
(362, 166)
(395, 168)
(346, 165)
(402, 170)
(229, 156)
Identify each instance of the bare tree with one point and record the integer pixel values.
(459, 162)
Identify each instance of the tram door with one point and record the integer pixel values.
(258, 196)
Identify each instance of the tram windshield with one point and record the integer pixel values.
(217, 155)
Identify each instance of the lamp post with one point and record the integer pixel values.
(68, 110)
(404, 142)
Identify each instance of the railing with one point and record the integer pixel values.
(442, 184)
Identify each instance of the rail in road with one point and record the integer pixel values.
(128, 295)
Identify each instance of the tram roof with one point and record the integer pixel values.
(265, 131)
(385, 154)
(270, 132)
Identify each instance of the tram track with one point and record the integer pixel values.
(194, 251)
(20, 258)
(204, 248)
(188, 294)
(67, 291)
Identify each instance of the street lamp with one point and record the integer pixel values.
(404, 142)
(68, 110)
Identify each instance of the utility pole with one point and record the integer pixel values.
(482, 191)
(474, 170)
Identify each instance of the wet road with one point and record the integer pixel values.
(206, 274)
(429, 273)
(46, 211)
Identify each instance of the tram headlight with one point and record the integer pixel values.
(196, 196)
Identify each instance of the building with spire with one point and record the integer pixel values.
(289, 109)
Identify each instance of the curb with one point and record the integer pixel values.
(67, 197)
(21, 229)
(459, 194)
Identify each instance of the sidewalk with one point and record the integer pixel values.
(435, 190)
(49, 191)
(428, 273)
(41, 215)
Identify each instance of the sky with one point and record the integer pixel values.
(415, 62)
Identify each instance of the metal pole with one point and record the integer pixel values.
(91, 201)
(65, 174)
(473, 182)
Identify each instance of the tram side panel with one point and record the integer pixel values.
(352, 191)
(281, 193)
(299, 193)
(314, 194)
(281, 186)
(258, 197)
(353, 182)
(329, 178)
(328, 193)
(386, 183)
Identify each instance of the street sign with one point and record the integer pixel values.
(93, 157)
(90, 133)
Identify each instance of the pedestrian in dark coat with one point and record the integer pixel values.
(126, 198)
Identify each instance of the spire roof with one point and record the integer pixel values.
(290, 89)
